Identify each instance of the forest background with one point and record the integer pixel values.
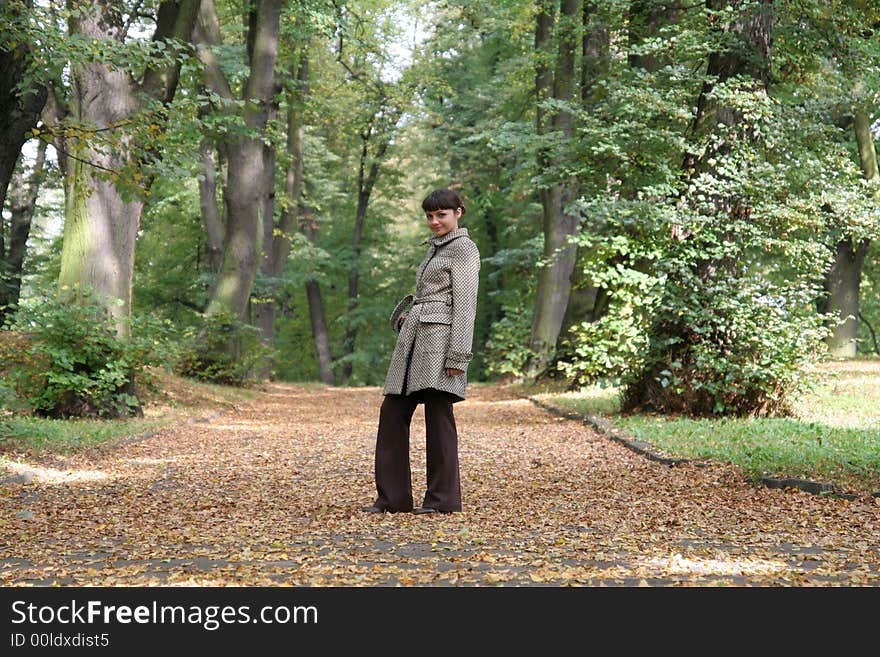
(679, 198)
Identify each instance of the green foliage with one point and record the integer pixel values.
(716, 348)
(708, 280)
(222, 350)
(609, 348)
(72, 364)
(870, 303)
(507, 349)
(736, 327)
(619, 259)
(170, 277)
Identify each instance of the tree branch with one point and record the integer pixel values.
(174, 22)
(207, 34)
(135, 13)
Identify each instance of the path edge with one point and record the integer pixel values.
(607, 429)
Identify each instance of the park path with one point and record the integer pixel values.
(268, 493)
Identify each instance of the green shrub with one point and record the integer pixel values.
(604, 350)
(727, 346)
(223, 350)
(507, 349)
(616, 258)
(70, 362)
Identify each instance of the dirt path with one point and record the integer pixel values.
(269, 493)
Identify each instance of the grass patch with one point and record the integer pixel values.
(170, 400)
(773, 447)
(38, 435)
(833, 437)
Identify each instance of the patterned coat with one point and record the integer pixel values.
(439, 328)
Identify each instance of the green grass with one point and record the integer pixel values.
(833, 437)
(177, 398)
(45, 435)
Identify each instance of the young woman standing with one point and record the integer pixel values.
(435, 328)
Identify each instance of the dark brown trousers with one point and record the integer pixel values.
(393, 477)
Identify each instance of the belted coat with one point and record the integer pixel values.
(438, 331)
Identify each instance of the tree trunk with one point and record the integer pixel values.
(755, 28)
(543, 69)
(20, 109)
(366, 182)
(585, 303)
(554, 278)
(245, 192)
(318, 315)
(264, 305)
(22, 203)
(215, 224)
(843, 280)
(54, 112)
(101, 226)
(595, 52)
(294, 209)
(293, 182)
(244, 210)
(351, 330)
(491, 310)
(842, 284)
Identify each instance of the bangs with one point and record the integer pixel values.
(441, 199)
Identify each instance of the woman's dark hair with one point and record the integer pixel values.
(443, 199)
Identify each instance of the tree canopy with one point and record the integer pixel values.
(680, 198)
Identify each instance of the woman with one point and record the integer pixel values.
(435, 329)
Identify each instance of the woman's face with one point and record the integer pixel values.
(443, 221)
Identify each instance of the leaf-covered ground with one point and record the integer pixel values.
(269, 493)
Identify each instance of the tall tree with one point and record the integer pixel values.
(843, 279)
(706, 245)
(212, 215)
(249, 180)
(22, 203)
(559, 224)
(588, 302)
(102, 217)
(21, 96)
(295, 212)
(360, 51)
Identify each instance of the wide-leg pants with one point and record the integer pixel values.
(393, 475)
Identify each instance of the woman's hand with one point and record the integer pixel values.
(450, 371)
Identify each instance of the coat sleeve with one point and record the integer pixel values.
(465, 273)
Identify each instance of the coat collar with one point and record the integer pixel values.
(448, 237)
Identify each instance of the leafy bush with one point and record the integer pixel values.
(617, 256)
(735, 329)
(604, 350)
(507, 349)
(69, 361)
(223, 350)
(720, 345)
